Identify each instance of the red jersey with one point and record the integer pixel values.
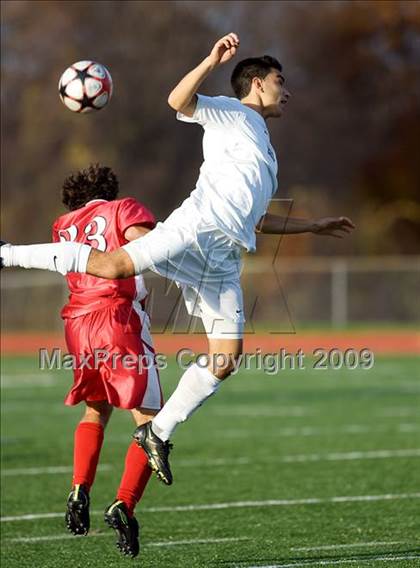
(101, 224)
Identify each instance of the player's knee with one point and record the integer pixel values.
(223, 373)
(225, 364)
(224, 356)
(99, 412)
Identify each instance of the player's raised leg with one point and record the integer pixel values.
(196, 385)
(120, 514)
(68, 257)
(88, 439)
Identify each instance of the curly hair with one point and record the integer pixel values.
(247, 69)
(94, 182)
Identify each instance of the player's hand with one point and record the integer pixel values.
(333, 226)
(224, 49)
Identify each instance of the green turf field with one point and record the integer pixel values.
(306, 468)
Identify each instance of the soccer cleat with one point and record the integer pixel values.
(127, 528)
(157, 451)
(77, 514)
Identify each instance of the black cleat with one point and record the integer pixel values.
(127, 528)
(77, 514)
(157, 451)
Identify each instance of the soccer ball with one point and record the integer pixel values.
(85, 86)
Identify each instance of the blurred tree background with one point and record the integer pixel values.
(347, 144)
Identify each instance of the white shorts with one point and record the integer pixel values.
(205, 264)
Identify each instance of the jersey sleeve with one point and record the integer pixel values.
(54, 232)
(218, 111)
(131, 212)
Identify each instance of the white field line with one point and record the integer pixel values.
(339, 546)
(157, 544)
(249, 410)
(52, 409)
(53, 470)
(238, 504)
(304, 458)
(398, 412)
(243, 460)
(311, 431)
(408, 427)
(322, 430)
(34, 517)
(20, 381)
(54, 537)
(390, 558)
(196, 541)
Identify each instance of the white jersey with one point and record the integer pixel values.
(239, 174)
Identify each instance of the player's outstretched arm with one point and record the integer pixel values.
(183, 98)
(330, 226)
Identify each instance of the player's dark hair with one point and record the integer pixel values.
(247, 69)
(94, 182)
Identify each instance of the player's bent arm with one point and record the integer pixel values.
(331, 226)
(110, 265)
(183, 97)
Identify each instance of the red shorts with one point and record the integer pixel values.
(114, 358)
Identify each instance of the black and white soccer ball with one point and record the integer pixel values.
(85, 86)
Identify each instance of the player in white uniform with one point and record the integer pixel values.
(199, 245)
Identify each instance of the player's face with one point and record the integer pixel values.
(274, 95)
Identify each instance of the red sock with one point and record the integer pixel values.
(88, 439)
(135, 477)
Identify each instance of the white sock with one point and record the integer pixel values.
(195, 386)
(58, 257)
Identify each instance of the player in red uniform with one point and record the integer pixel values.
(105, 320)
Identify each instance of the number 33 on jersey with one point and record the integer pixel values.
(94, 232)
